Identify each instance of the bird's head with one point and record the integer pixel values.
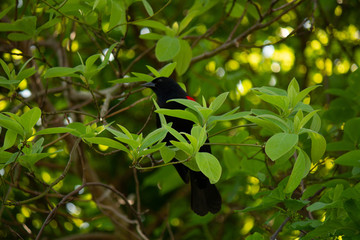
(166, 88)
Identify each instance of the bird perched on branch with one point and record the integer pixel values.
(204, 196)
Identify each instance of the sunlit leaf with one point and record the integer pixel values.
(167, 48)
(209, 166)
(279, 144)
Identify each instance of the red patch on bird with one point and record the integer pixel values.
(190, 98)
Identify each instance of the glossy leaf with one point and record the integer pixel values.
(30, 118)
(184, 57)
(179, 114)
(218, 101)
(167, 70)
(351, 158)
(279, 144)
(107, 142)
(148, 7)
(59, 72)
(167, 48)
(300, 170)
(167, 154)
(209, 166)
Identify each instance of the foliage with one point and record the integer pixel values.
(80, 155)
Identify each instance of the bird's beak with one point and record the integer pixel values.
(148, 84)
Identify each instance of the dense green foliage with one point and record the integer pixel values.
(278, 95)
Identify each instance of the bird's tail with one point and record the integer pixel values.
(204, 196)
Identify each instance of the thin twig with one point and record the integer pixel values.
(273, 237)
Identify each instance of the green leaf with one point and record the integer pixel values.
(132, 143)
(295, 85)
(30, 118)
(275, 120)
(281, 102)
(167, 48)
(5, 157)
(271, 91)
(318, 146)
(184, 146)
(55, 130)
(316, 123)
(183, 59)
(187, 19)
(293, 90)
(311, 191)
(167, 154)
(228, 117)
(5, 67)
(161, 116)
(340, 146)
(175, 133)
(4, 82)
(304, 93)
(151, 36)
(279, 144)
(107, 56)
(151, 24)
(307, 118)
(200, 135)
(148, 8)
(118, 16)
(209, 166)
(19, 37)
(301, 169)
(127, 133)
(167, 70)
(294, 204)
(351, 158)
(154, 71)
(298, 117)
(9, 123)
(307, 225)
(237, 9)
(48, 24)
(30, 159)
(107, 142)
(352, 130)
(153, 149)
(25, 73)
(179, 114)
(90, 62)
(287, 155)
(255, 236)
(6, 10)
(37, 147)
(188, 103)
(266, 124)
(143, 77)
(155, 136)
(9, 140)
(78, 126)
(126, 80)
(205, 112)
(60, 72)
(25, 24)
(352, 207)
(320, 205)
(218, 101)
(193, 142)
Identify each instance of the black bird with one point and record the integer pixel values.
(204, 195)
